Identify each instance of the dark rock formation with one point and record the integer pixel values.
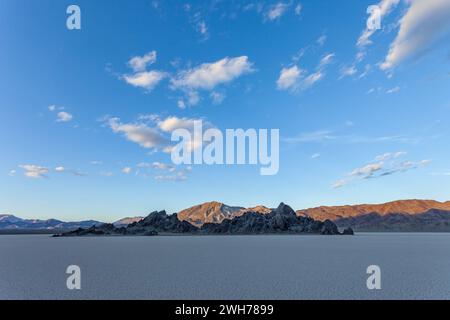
(161, 222)
(348, 231)
(282, 220)
(101, 230)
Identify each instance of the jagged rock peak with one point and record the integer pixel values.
(285, 209)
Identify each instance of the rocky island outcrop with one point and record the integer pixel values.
(282, 220)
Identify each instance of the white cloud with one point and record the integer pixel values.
(289, 78)
(61, 169)
(321, 40)
(53, 108)
(295, 79)
(149, 117)
(425, 22)
(174, 175)
(311, 79)
(393, 90)
(217, 97)
(367, 170)
(139, 64)
(315, 136)
(156, 135)
(106, 173)
(179, 176)
(315, 156)
(12, 173)
(166, 171)
(386, 6)
(34, 171)
(127, 170)
(145, 79)
(163, 166)
(193, 98)
(181, 104)
(209, 75)
(140, 133)
(390, 155)
(366, 71)
(322, 136)
(64, 116)
(172, 123)
(298, 9)
(339, 184)
(326, 60)
(203, 29)
(276, 11)
(348, 71)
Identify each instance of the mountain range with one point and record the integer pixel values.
(11, 222)
(400, 216)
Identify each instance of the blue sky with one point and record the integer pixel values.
(362, 115)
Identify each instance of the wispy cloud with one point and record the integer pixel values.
(174, 175)
(385, 7)
(425, 22)
(348, 71)
(153, 132)
(277, 10)
(321, 40)
(326, 136)
(163, 171)
(383, 165)
(298, 9)
(62, 169)
(393, 90)
(64, 116)
(140, 133)
(127, 170)
(34, 171)
(315, 136)
(295, 79)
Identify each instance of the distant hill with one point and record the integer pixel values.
(408, 207)
(396, 216)
(11, 222)
(215, 212)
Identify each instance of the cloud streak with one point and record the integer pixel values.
(425, 22)
(294, 79)
(383, 165)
